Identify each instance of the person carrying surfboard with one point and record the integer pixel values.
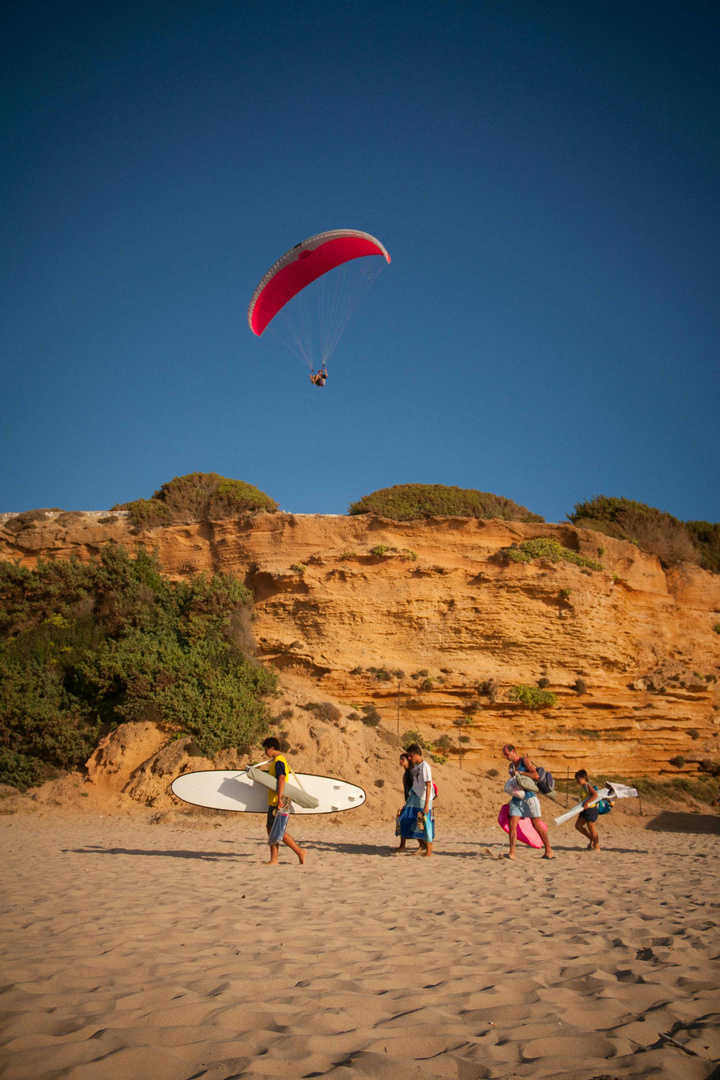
(279, 768)
(585, 823)
(526, 805)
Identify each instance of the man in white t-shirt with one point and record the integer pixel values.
(419, 802)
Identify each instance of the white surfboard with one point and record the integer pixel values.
(234, 790)
(610, 792)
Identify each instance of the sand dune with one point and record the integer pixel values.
(133, 950)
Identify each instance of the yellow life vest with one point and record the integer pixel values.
(272, 767)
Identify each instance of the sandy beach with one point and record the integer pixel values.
(169, 951)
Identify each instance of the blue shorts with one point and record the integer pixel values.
(529, 807)
(591, 814)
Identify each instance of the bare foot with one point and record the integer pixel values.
(596, 847)
(546, 856)
(507, 855)
(302, 855)
(272, 862)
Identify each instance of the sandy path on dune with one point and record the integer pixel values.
(135, 950)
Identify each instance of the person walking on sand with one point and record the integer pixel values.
(407, 786)
(416, 817)
(526, 805)
(278, 768)
(587, 817)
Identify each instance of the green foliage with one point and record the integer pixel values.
(415, 502)
(197, 497)
(652, 530)
(678, 761)
(716, 627)
(705, 535)
(380, 550)
(546, 547)
(84, 647)
(444, 743)
(410, 737)
(533, 697)
(298, 567)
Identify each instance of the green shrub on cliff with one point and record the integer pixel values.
(532, 697)
(414, 502)
(197, 497)
(546, 547)
(653, 530)
(84, 647)
(705, 535)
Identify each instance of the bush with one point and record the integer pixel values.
(580, 686)
(197, 497)
(492, 773)
(546, 547)
(84, 647)
(653, 530)
(370, 716)
(678, 761)
(532, 697)
(415, 502)
(325, 710)
(380, 550)
(29, 519)
(542, 683)
(410, 737)
(706, 539)
(443, 743)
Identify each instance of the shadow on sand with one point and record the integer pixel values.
(207, 856)
(674, 821)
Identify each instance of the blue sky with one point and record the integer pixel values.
(545, 177)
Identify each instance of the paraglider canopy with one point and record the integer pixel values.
(302, 265)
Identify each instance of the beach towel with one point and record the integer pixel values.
(410, 815)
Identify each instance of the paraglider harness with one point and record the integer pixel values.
(318, 378)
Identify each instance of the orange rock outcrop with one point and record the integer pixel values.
(345, 604)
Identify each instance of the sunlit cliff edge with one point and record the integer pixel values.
(442, 600)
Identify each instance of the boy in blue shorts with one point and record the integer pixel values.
(278, 768)
(587, 817)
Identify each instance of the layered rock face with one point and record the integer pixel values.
(433, 625)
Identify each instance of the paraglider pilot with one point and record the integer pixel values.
(319, 378)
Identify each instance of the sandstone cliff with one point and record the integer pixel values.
(343, 604)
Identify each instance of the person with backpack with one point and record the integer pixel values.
(526, 805)
(587, 817)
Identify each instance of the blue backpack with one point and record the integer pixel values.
(545, 781)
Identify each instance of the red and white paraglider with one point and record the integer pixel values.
(312, 324)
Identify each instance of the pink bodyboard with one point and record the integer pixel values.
(527, 833)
